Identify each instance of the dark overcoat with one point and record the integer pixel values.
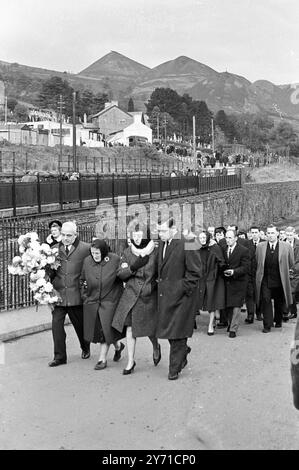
(100, 296)
(295, 366)
(67, 276)
(211, 290)
(236, 285)
(178, 276)
(295, 276)
(139, 296)
(286, 262)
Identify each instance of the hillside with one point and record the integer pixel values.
(123, 78)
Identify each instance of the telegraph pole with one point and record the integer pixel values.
(5, 111)
(194, 144)
(74, 132)
(165, 122)
(60, 133)
(213, 141)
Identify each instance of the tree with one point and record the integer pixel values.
(50, 94)
(283, 134)
(11, 104)
(131, 108)
(21, 113)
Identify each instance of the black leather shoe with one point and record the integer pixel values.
(85, 354)
(117, 354)
(266, 330)
(285, 318)
(277, 325)
(100, 365)
(156, 360)
(232, 334)
(185, 362)
(259, 317)
(57, 362)
(129, 371)
(173, 376)
(293, 315)
(249, 320)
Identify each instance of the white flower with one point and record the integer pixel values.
(45, 247)
(16, 260)
(48, 287)
(51, 259)
(41, 282)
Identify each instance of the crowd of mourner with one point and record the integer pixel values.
(163, 280)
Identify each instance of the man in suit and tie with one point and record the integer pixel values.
(274, 261)
(294, 243)
(250, 300)
(236, 277)
(72, 253)
(178, 276)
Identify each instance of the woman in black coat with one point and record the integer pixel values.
(137, 308)
(211, 290)
(101, 291)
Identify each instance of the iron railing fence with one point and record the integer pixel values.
(37, 196)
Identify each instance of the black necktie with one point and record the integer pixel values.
(229, 253)
(67, 250)
(272, 248)
(165, 248)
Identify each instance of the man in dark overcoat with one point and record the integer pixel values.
(72, 253)
(274, 261)
(236, 278)
(178, 276)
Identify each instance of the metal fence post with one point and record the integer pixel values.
(127, 188)
(98, 188)
(139, 187)
(14, 196)
(150, 185)
(14, 162)
(113, 189)
(94, 165)
(38, 195)
(80, 189)
(60, 192)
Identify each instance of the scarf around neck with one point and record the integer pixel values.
(143, 251)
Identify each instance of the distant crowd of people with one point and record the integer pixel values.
(163, 280)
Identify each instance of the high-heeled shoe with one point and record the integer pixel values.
(158, 359)
(129, 371)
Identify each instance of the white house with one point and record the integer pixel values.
(135, 133)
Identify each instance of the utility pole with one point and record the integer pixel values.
(213, 141)
(158, 136)
(60, 133)
(194, 144)
(5, 111)
(74, 133)
(165, 122)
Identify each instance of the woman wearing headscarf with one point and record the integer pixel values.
(137, 308)
(55, 233)
(101, 290)
(211, 292)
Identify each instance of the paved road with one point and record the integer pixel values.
(234, 394)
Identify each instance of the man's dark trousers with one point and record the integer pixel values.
(177, 354)
(267, 294)
(75, 314)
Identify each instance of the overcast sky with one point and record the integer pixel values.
(257, 39)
